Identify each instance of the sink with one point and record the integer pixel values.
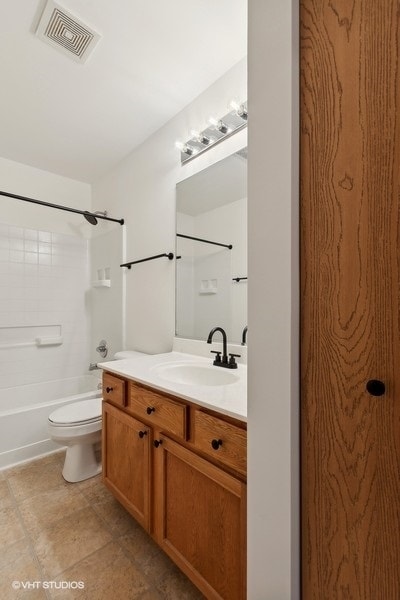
(196, 374)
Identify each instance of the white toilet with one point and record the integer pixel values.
(78, 426)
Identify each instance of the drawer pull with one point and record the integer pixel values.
(150, 409)
(157, 443)
(108, 390)
(142, 434)
(216, 444)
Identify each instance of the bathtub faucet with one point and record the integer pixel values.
(93, 366)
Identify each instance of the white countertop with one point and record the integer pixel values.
(229, 399)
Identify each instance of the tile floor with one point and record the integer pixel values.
(51, 530)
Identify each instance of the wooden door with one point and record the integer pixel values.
(350, 167)
(202, 514)
(126, 461)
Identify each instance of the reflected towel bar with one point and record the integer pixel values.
(169, 255)
(189, 237)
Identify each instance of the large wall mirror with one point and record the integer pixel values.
(211, 278)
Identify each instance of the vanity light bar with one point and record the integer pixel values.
(218, 130)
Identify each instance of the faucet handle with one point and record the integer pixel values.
(217, 360)
(232, 361)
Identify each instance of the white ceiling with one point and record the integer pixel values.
(154, 58)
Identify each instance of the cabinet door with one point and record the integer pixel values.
(126, 461)
(201, 520)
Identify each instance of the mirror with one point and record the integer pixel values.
(212, 207)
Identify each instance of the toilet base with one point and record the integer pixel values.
(80, 463)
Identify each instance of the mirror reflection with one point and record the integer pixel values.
(211, 250)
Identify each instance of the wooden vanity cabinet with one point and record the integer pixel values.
(162, 462)
(126, 449)
(202, 520)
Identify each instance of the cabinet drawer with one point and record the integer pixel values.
(114, 389)
(162, 412)
(221, 440)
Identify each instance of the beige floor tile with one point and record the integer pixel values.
(176, 585)
(94, 490)
(10, 526)
(45, 509)
(69, 540)
(19, 565)
(36, 477)
(151, 559)
(117, 519)
(107, 574)
(5, 496)
(151, 595)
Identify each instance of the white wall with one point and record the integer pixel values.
(273, 428)
(24, 180)
(141, 189)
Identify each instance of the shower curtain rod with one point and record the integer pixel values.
(92, 216)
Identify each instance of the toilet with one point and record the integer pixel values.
(78, 426)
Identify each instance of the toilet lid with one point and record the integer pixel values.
(84, 411)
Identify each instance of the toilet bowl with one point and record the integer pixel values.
(78, 427)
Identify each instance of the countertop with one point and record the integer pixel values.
(229, 399)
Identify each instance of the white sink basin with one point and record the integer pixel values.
(196, 374)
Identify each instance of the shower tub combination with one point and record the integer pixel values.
(24, 412)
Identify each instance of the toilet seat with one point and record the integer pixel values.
(78, 413)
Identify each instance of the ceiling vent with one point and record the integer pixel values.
(64, 31)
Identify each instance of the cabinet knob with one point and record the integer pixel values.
(150, 409)
(375, 387)
(216, 444)
(108, 390)
(157, 443)
(142, 433)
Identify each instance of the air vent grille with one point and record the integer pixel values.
(62, 30)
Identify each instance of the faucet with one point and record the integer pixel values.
(244, 336)
(224, 362)
(102, 348)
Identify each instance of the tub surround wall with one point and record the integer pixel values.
(44, 282)
(107, 304)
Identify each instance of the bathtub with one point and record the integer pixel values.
(24, 411)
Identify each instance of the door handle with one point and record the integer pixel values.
(375, 387)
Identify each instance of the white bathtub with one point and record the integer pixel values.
(24, 411)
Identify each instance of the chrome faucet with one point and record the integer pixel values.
(222, 362)
(102, 348)
(244, 336)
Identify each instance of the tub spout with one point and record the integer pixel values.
(93, 366)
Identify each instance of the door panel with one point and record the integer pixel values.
(350, 138)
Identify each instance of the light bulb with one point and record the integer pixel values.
(184, 148)
(239, 109)
(200, 137)
(218, 124)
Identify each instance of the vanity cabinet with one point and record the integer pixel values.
(180, 470)
(126, 461)
(202, 516)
